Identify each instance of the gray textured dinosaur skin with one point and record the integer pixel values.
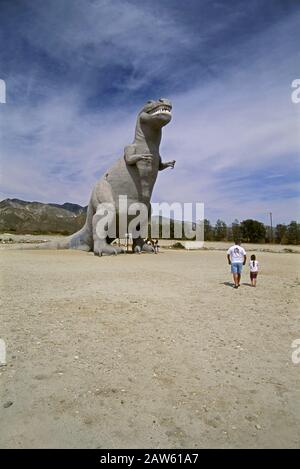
(133, 175)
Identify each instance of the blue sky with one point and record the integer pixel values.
(77, 72)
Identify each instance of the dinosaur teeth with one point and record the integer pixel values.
(161, 110)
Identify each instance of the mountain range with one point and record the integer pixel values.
(22, 217)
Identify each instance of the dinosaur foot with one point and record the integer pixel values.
(143, 248)
(103, 249)
(147, 248)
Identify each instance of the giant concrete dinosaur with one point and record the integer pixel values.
(133, 175)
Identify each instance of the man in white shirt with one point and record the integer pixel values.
(236, 256)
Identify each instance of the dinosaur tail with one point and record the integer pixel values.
(63, 244)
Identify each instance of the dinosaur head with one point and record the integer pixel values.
(156, 113)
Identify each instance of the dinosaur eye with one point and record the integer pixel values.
(149, 102)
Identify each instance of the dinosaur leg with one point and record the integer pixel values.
(139, 244)
(101, 196)
(101, 246)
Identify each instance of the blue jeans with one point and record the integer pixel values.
(236, 267)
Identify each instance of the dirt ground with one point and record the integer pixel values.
(148, 351)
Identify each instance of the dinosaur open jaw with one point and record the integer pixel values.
(161, 110)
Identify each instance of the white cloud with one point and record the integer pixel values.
(102, 34)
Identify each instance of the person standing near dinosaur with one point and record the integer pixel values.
(236, 256)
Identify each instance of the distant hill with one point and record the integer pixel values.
(75, 208)
(20, 216)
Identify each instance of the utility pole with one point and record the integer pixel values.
(271, 220)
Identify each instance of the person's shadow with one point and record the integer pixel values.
(228, 284)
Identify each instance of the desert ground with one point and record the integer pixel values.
(148, 351)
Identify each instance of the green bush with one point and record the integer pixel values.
(177, 245)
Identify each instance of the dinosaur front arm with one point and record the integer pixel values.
(167, 164)
(131, 157)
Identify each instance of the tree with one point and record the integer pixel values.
(220, 230)
(229, 236)
(280, 234)
(236, 230)
(253, 231)
(293, 233)
(208, 230)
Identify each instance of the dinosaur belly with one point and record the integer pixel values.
(136, 181)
